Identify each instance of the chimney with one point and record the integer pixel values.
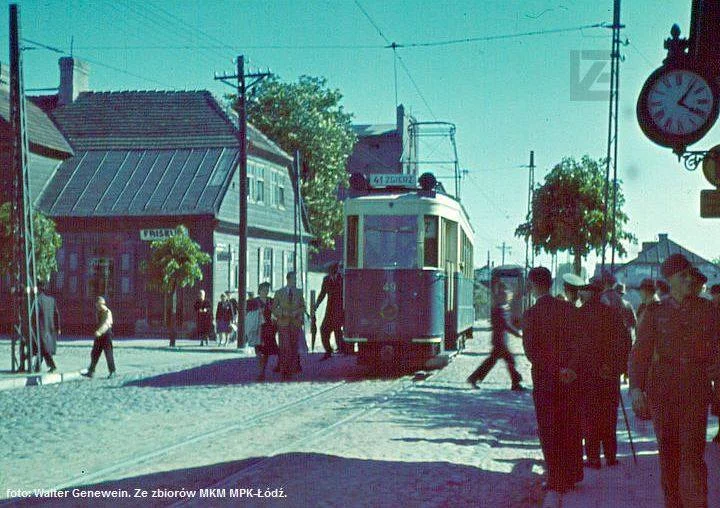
(73, 79)
(648, 245)
(662, 237)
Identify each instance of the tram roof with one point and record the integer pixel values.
(399, 195)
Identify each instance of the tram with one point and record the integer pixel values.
(408, 258)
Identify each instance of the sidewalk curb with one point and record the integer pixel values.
(38, 380)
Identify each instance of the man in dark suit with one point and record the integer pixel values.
(601, 331)
(49, 326)
(554, 355)
(332, 286)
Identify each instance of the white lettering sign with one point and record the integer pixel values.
(150, 235)
(392, 180)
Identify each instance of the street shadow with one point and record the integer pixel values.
(313, 479)
(245, 370)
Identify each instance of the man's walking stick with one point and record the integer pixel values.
(627, 426)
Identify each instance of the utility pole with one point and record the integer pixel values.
(242, 89)
(530, 253)
(504, 248)
(24, 288)
(612, 140)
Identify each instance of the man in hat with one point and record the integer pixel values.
(501, 324)
(548, 343)
(572, 284)
(103, 339)
(647, 296)
(673, 362)
(603, 359)
(698, 281)
(49, 318)
(332, 286)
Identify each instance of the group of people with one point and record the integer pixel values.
(275, 326)
(224, 328)
(579, 347)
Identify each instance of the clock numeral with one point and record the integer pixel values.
(680, 127)
(678, 79)
(699, 90)
(659, 115)
(703, 101)
(666, 82)
(656, 103)
(668, 124)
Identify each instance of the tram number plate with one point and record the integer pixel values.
(392, 180)
(390, 287)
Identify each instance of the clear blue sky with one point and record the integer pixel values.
(506, 96)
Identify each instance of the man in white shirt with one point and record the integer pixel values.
(103, 339)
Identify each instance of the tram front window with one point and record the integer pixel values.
(390, 241)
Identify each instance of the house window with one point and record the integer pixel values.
(251, 183)
(351, 255)
(125, 262)
(267, 266)
(281, 196)
(260, 185)
(125, 285)
(59, 280)
(73, 261)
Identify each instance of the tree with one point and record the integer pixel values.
(175, 263)
(47, 242)
(307, 116)
(568, 212)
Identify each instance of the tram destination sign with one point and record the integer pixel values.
(392, 180)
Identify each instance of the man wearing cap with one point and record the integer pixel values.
(103, 339)
(549, 345)
(674, 360)
(603, 359)
(332, 286)
(647, 296)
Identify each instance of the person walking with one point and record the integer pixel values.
(261, 329)
(49, 319)
(554, 356)
(500, 322)
(223, 318)
(289, 311)
(203, 319)
(601, 332)
(673, 362)
(332, 287)
(103, 339)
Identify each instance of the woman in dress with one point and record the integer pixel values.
(260, 327)
(223, 318)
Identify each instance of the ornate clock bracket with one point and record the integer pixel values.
(692, 159)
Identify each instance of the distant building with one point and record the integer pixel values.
(145, 162)
(380, 149)
(649, 261)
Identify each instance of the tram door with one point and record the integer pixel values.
(450, 257)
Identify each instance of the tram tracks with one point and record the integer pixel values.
(242, 424)
(232, 480)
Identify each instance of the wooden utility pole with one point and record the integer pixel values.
(504, 248)
(242, 88)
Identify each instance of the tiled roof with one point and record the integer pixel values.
(374, 129)
(103, 183)
(44, 138)
(150, 120)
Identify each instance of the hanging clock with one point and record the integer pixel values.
(677, 106)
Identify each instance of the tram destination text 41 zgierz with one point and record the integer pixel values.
(378, 181)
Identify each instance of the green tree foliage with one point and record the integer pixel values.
(307, 116)
(568, 212)
(175, 263)
(47, 242)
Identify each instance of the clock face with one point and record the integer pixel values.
(680, 102)
(677, 107)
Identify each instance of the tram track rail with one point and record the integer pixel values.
(244, 424)
(383, 397)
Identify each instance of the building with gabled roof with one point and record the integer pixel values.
(648, 263)
(143, 163)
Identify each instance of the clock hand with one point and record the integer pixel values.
(681, 102)
(698, 112)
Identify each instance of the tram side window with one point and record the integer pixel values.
(431, 241)
(351, 260)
